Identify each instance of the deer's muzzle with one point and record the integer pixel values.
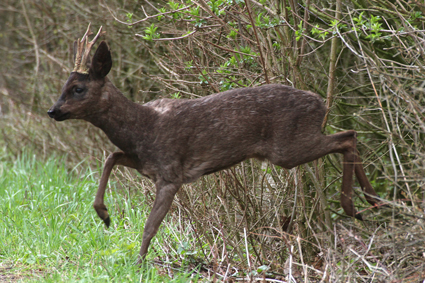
(57, 114)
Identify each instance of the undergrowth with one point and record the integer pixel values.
(50, 232)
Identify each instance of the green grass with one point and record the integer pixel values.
(49, 231)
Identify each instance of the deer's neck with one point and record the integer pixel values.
(127, 124)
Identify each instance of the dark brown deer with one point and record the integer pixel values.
(174, 142)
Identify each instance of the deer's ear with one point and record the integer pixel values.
(102, 61)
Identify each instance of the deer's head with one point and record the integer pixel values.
(83, 94)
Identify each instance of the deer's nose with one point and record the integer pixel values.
(51, 113)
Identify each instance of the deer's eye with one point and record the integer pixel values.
(79, 90)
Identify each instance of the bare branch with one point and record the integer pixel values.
(170, 38)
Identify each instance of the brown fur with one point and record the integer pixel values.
(174, 142)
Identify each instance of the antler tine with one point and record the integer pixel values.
(80, 48)
(88, 33)
(99, 33)
(82, 68)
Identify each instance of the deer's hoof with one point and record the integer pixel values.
(102, 212)
(358, 216)
(107, 221)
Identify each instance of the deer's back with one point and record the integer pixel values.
(201, 136)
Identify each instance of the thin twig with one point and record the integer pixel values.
(263, 63)
(169, 38)
(37, 54)
(230, 50)
(332, 67)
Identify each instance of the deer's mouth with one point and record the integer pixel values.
(62, 117)
(58, 115)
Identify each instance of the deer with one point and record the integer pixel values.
(176, 141)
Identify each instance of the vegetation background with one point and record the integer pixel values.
(256, 220)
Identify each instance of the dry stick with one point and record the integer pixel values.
(37, 55)
(332, 67)
(258, 41)
(321, 195)
(290, 265)
(291, 221)
(304, 40)
(246, 248)
(170, 38)
(227, 49)
(302, 259)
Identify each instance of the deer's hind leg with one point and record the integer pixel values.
(347, 181)
(116, 158)
(369, 193)
(345, 143)
(353, 164)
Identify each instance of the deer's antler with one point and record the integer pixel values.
(83, 51)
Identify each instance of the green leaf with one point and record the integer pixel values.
(176, 95)
(263, 268)
(232, 34)
(150, 33)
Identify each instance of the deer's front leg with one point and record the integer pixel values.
(165, 193)
(116, 158)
